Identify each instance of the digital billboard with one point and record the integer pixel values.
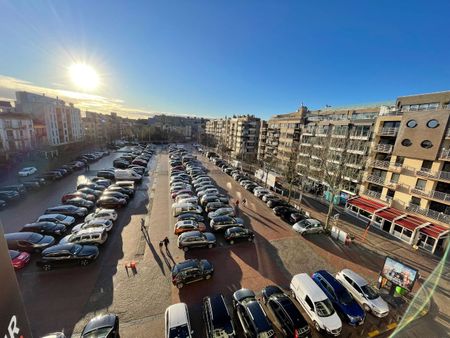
(399, 274)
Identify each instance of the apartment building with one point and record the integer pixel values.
(62, 122)
(240, 134)
(406, 189)
(16, 134)
(346, 131)
(262, 141)
(104, 128)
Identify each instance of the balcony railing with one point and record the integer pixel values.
(338, 135)
(433, 194)
(389, 131)
(375, 179)
(359, 136)
(373, 194)
(445, 154)
(438, 175)
(354, 165)
(380, 164)
(384, 148)
(357, 151)
(439, 216)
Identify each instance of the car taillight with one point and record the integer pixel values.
(296, 333)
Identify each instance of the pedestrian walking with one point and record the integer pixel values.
(166, 242)
(237, 203)
(244, 202)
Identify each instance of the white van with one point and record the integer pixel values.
(181, 208)
(316, 304)
(127, 174)
(125, 184)
(177, 321)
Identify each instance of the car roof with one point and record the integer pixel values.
(313, 290)
(20, 235)
(313, 221)
(187, 264)
(60, 247)
(259, 316)
(93, 230)
(243, 293)
(331, 280)
(194, 233)
(355, 277)
(106, 320)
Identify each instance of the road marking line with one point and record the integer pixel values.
(373, 333)
(392, 326)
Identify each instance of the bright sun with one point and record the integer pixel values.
(84, 76)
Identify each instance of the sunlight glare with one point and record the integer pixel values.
(84, 76)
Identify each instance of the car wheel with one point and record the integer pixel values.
(231, 242)
(367, 308)
(180, 285)
(208, 276)
(316, 326)
(185, 249)
(250, 239)
(210, 246)
(84, 262)
(46, 267)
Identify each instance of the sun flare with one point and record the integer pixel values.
(84, 76)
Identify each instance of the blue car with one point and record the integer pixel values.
(342, 301)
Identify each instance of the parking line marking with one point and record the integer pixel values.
(373, 333)
(392, 326)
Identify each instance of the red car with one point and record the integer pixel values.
(76, 194)
(19, 259)
(182, 191)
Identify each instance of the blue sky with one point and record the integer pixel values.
(216, 58)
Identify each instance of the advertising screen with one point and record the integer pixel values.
(399, 273)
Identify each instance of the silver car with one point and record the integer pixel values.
(95, 236)
(308, 226)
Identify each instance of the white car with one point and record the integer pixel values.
(177, 321)
(260, 192)
(95, 223)
(94, 236)
(225, 211)
(108, 214)
(364, 294)
(27, 171)
(308, 226)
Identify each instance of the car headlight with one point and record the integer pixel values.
(354, 318)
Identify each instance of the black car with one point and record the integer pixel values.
(62, 171)
(31, 185)
(213, 206)
(276, 202)
(189, 216)
(102, 181)
(105, 326)
(67, 254)
(123, 190)
(91, 186)
(190, 271)
(90, 191)
(2, 204)
(296, 217)
(45, 228)
(67, 210)
(216, 317)
(111, 202)
(9, 196)
(42, 181)
(121, 164)
(28, 241)
(281, 209)
(106, 174)
(289, 319)
(116, 194)
(52, 175)
(20, 188)
(251, 315)
(234, 234)
(225, 222)
(80, 202)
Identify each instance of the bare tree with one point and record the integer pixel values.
(268, 165)
(290, 172)
(304, 166)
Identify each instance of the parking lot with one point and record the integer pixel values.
(69, 297)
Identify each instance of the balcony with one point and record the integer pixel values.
(435, 175)
(438, 216)
(338, 135)
(388, 132)
(336, 148)
(308, 132)
(445, 154)
(395, 167)
(357, 151)
(384, 148)
(379, 164)
(375, 179)
(373, 194)
(360, 136)
(304, 144)
(433, 194)
(355, 165)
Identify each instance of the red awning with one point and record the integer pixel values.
(410, 222)
(366, 204)
(389, 214)
(434, 230)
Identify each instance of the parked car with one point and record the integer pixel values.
(123, 190)
(190, 271)
(80, 202)
(275, 202)
(216, 317)
(225, 222)
(363, 293)
(76, 194)
(111, 202)
(9, 196)
(234, 234)
(115, 194)
(104, 326)
(45, 228)
(95, 223)
(316, 304)
(93, 236)
(106, 174)
(188, 225)
(189, 216)
(2, 204)
(67, 254)
(68, 210)
(177, 322)
(28, 241)
(20, 188)
(101, 213)
(342, 301)
(251, 315)
(101, 181)
(31, 185)
(27, 171)
(57, 218)
(226, 211)
(90, 191)
(296, 217)
(196, 239)
(52, 176)
(288, 318)
(91, 185)
(308, 226)
(213, 206)
(19, 259)
(284, 209)
(269, 197)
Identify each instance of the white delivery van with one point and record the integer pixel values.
(127, 175)
(316, 304)
(181, 208)
(125, 184)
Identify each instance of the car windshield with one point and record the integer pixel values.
(60, 217)
(369, 292)
(75, 249)
(35, 238)
(324, 308)
(345, 298)
(98, 333)
(179, 332)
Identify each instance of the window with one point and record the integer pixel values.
(406, 142)
(433, 123)
(395, 177)
(399, 161)
(411, 124)
(420, 184)
(415, 200)
(309, 302)
(426, 144)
